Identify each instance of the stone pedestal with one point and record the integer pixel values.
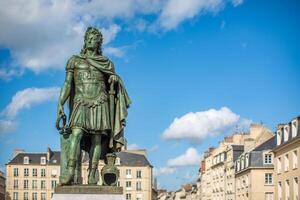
(88, 192)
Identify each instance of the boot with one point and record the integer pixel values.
(92, 174)
(69, 177)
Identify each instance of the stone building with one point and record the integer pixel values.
(2, 186)
(232, 153)
(254, 173)
(35, 175)
(217, 175)
(287, 160)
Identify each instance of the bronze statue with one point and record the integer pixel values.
(98, 104)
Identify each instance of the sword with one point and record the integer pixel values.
(112, 113)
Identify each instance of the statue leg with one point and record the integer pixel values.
(94, 158)
(73, 156)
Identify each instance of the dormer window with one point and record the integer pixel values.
(247, 160)
(117, 162)
(294, 128)
(278, 137)
(26, 160)
(286, 133)
(43, 160)
(268, 159)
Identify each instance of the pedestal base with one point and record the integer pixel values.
(88, 197)
(88, 192)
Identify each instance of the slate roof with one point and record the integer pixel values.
(269, 144)
(35, 158)
(131, 159)
(126, 159)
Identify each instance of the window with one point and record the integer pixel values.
(138, 196)
(43, 160)
(295, 159)
(296, 190)
(286, 162)
(286, 133)
(139, 174)
(25, 195)
(15, 196)
(268, 158)
(242, 163)
(34, 196)
(117, 162)
(26, 172)
(34, 184)
(43, 172)
(16, 172)
(16, 185)
(128, 173)
(26, 183)
(34, 172)
(26, 160)
(278, 165)
(128, 196)
(279, 191)
(53, 173)
(53, 184)
(43, 184)
(269, 196)
(247, 160)
(268, 179)
(138, 185)
(279, 137)
(238, 165)
(43, 196)
(294, 128)
(128, 184)
(287, 189)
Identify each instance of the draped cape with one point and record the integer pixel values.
(121, 99)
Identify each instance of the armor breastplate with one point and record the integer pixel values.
(89, 83)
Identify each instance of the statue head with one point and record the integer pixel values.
(92, 40)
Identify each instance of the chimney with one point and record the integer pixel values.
(249, 144)
(17, 151)
(49, 154)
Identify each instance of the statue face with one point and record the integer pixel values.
(92, 41)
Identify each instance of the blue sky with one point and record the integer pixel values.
(213, 65)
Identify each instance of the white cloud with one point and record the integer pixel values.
(189, 158)
(43, 34)
(28, 97)
(7, 74)
(176, 11)
(196, 126)
(133, 146)
(7, 126)
(160, 171)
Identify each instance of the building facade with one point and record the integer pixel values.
(2, 186)
(254, 173)
(34, 176)
(287, 161)
(217, 172)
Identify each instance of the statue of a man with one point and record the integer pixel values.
(98, 105)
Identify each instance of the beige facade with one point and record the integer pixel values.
(217, 174)
(35, 175)
(2, 186)
(287, 161)
(254, 178)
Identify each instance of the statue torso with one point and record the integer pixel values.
(89, 81)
